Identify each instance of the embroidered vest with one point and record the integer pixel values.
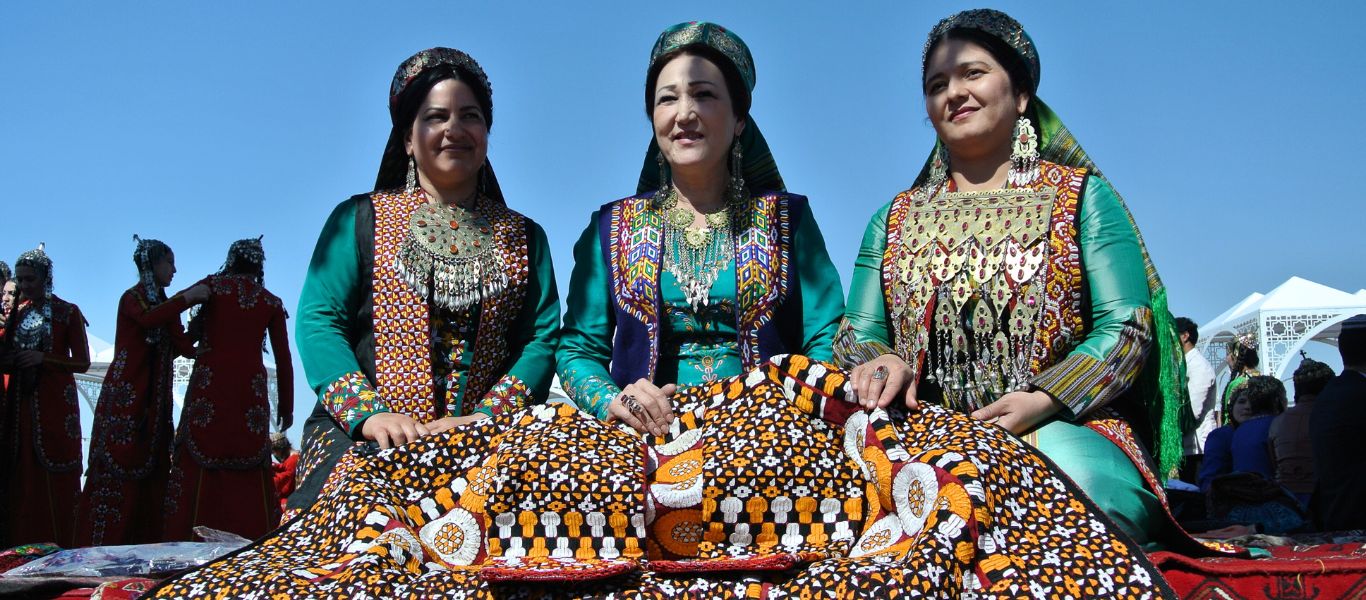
(631, 233)
(398, 345)
(989, 284)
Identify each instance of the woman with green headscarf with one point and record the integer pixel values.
(711, 267)
(1011, 283)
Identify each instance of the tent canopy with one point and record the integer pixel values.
(1284, 320)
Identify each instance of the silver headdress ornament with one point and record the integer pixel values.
(246, 251)
(35, 330)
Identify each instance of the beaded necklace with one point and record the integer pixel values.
(695, 256)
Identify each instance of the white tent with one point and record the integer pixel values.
(1284, 320)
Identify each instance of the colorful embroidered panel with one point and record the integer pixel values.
(988, 284)
(763, 246)
(351, 399)
(509, 394)
(762, 258)
(403, 365)
(636, 255)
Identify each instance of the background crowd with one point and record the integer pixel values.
(1260, 459)
(144, 480)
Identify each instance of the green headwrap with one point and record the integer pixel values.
(760, 171)
(1164, 375)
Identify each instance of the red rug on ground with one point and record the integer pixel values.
(1293, 572)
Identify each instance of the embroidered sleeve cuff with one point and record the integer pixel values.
(351, 400)
(850, 352)
(1083, 383)
(592, 394)
(509, 394)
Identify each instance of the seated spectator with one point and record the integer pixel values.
(1241, 446)
(1338, 431)
(286, 462)
(1292, 454)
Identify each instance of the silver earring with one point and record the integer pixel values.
(663, 190)
(410, 184)
(737, 173)
(937, 174)
(1024, 154)
(939, 168)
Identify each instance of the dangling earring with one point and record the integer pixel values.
(936, 176)
(663, 190)
(737, 173)
(1024, 154)
(410, 184)
(939, 167)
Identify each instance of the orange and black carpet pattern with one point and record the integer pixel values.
(769, 484)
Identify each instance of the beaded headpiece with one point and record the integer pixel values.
(996, 24)
(247, 251)
(1244, 341)
(711, 35)
(434, 57)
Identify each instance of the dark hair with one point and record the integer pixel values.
(1243, 357)
(1188, 327)
(1265, 395)
(1020, 80)
(416, 91)
(735, 85)
(1311, 376)
(241, 265)
(5, 273)
(1352, 346)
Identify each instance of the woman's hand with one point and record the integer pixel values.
(27, 359)
(883, 379)
(196, 294)
(1019, 412)
(448, 423)
(645, 407)
(392, 429)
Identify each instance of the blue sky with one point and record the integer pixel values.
(1231, 129)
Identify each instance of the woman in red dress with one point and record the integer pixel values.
(130, 445)
(7, 294)
(40, 445)
(220, 468)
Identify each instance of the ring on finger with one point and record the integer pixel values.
(880, 373)
(629, 401)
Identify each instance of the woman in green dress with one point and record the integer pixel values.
(712, 267)
(1011, 283)
(428, 303)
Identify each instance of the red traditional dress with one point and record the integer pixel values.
(283, 476)
(220, 473)
(41, 442)
(130, 445)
